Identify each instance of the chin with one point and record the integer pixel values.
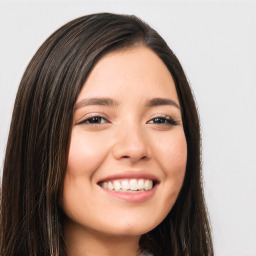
(130, 228)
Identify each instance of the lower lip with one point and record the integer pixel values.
(136, 197)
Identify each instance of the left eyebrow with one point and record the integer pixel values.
(161, 101)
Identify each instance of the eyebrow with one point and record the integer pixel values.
(113, 103)
(96, 101)
(161, 102)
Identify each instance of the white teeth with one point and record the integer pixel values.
(110, 186)
(105, 185)
(125, 185)
(117, 185)
(140, 184)
(132, 185)
(148, 184)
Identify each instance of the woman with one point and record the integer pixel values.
(103, 155)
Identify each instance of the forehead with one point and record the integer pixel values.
(134, 72)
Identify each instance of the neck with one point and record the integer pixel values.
(83, 242)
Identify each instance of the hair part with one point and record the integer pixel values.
(38, 143)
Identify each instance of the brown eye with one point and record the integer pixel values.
(94, 120)
(163, 120)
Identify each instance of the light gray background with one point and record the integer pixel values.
(215, 42)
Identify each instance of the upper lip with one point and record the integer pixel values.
(130, 175)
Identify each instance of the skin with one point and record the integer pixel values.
(127, 139)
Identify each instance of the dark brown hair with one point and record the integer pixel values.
(38, 143)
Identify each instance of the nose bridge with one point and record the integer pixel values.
(131, 142)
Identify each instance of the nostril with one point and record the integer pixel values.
(131, 146)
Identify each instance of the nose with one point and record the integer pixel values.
(131, 144)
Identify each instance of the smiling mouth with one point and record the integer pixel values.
(128, 185)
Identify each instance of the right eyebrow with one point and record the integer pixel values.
(96, 101)
(161, 102)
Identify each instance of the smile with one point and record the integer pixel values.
(128, 185)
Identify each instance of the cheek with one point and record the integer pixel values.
(85, 157)
(171, 149)
(174, 153)
(172, 157)
(85, 154)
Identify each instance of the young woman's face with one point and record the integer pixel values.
(128, 151)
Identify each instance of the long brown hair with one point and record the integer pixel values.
(37, 148)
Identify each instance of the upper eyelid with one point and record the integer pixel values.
(168, 118)
(91, 115)
(85, 120)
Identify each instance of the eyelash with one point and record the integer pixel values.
(162, 120)
(87, 120)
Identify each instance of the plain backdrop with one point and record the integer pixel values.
(215, 42)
